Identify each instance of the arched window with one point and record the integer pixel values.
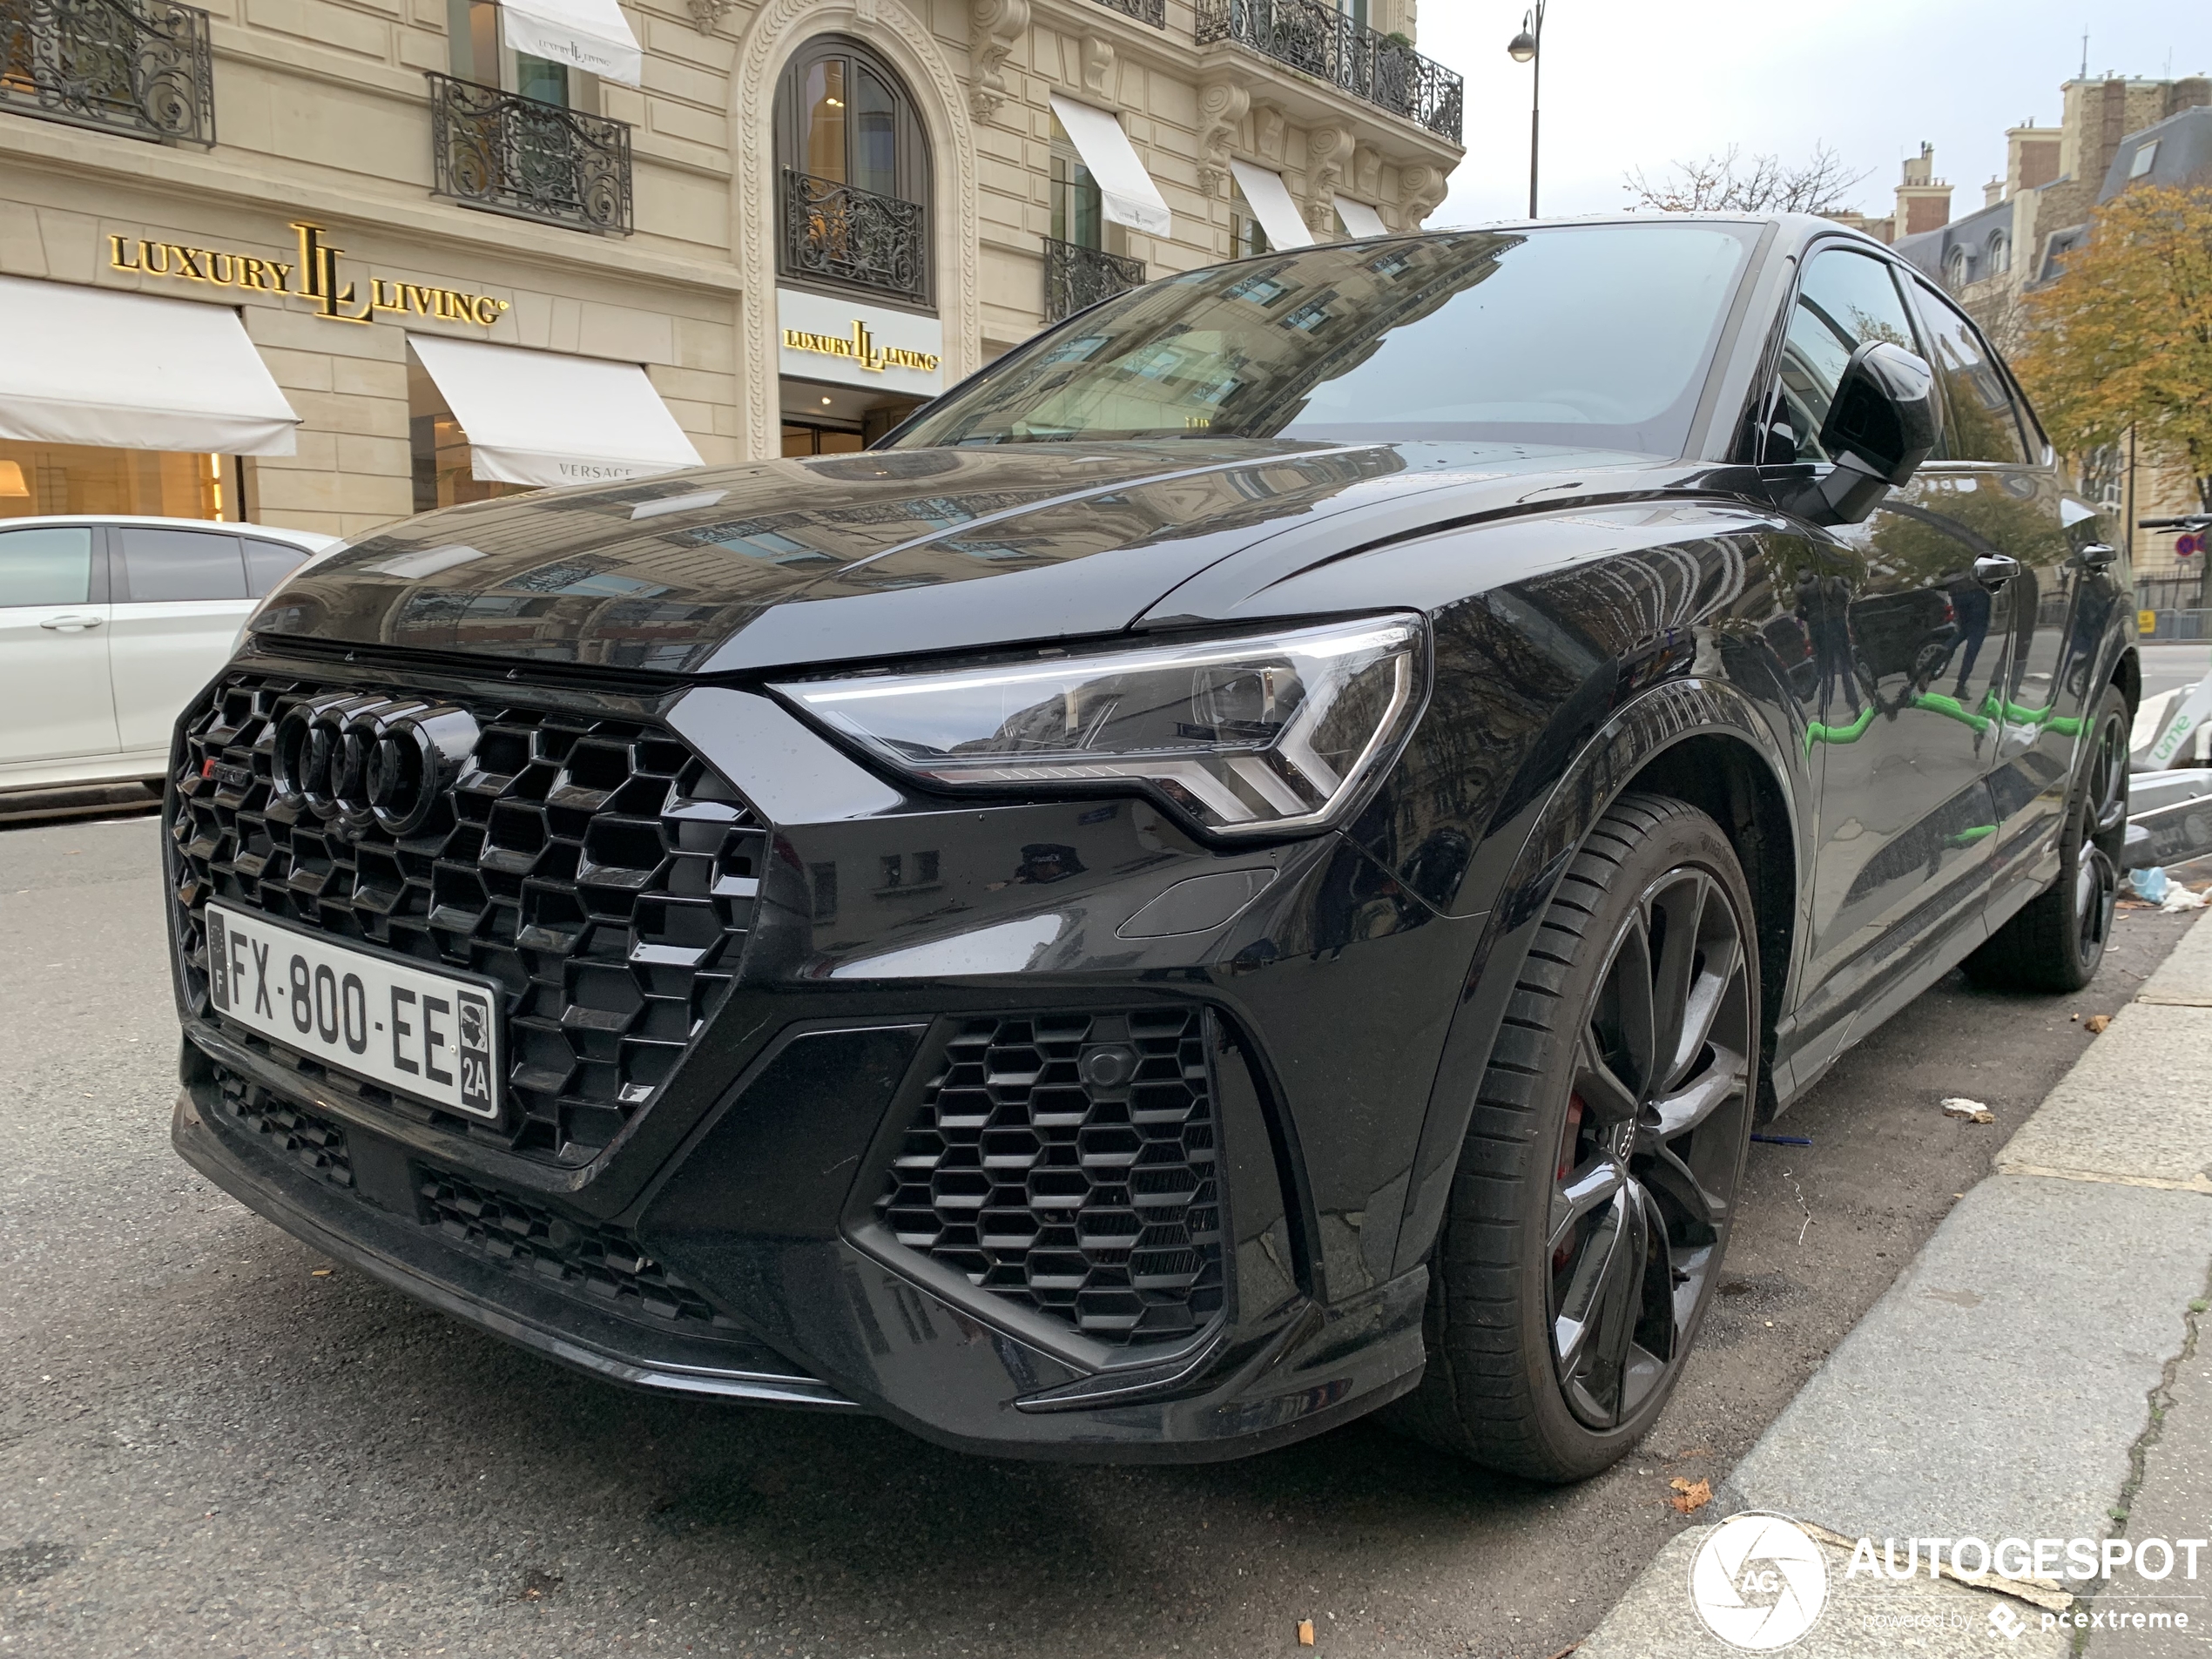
(1954, 268)
(2000, 253)
(856, 171)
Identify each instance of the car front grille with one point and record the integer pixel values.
(600, 1261)
(1066, 1163)
(315, 1143)
(595, 868)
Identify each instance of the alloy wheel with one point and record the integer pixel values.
(1651, 1153)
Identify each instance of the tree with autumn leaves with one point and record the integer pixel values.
(2123, 338)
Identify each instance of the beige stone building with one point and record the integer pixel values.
(2112, 134)
(324, 263)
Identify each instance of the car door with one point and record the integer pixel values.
(180, 597)
(2008, 499)
(55, 700)
(1901, 629)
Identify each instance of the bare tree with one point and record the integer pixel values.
(1729, 184)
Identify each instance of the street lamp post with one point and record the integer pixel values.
(1528, 47)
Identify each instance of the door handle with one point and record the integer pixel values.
(2098, 555)
(1995, 570)
(72, 623)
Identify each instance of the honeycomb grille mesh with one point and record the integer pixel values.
(595, 868)
(1066, 1162)
(602, 1261)
(315, 1143)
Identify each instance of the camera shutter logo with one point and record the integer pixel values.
(1758, 1581)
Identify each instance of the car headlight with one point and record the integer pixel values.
(1243, 737)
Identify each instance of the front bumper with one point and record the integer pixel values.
(889, 1344)
(743, 1235)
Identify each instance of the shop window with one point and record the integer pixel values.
(38, 479)
(443, 467)
(1247, 236)
(478, 55)
(820, 440)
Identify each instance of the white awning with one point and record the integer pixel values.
(128, 371)
(1270, 200)
(1126, 191)
(584, 34)
(1359, 219)
(538, 417)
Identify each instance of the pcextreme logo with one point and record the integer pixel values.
(1758, 1581)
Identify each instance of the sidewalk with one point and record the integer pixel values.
(2034, 1373)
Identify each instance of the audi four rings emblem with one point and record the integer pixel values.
(361, 757)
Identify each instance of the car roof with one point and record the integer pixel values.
(311, 541)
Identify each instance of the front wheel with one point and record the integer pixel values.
(2056, 943)
(1598, 1182)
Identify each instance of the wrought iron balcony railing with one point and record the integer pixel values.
(139, 67)
(522, 156)
(1076, 278)
(1152, 11)
(1313, 35)
(854, 237)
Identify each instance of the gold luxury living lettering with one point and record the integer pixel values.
(861, 346)
(337, 299)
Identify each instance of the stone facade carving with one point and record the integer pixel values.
(1222, 108)
(1270, 131)
(1098, 68)
(1328, 165)
(1420, 188)
(1367, 173)
(995, 27)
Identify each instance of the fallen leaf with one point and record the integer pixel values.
(2096, 1022)
(321, 1272)
(1306, 1633)
(1972, 1111)
(1690, 1495)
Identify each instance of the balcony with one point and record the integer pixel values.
(854, 239)
(1152, 11)
(139, 67)
(1077, 278)
(1314, 36)
(510, 154)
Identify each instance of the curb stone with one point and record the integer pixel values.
(2001, 1386)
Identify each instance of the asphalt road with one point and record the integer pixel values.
(208, 1449)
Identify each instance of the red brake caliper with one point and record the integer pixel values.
(1569, 1141)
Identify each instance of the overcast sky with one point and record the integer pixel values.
(1630, 83)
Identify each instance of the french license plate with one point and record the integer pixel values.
(430, 1035)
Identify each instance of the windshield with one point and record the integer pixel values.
(1595, 335)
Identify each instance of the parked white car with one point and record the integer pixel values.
(109, 625)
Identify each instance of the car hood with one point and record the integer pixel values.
(837, 559)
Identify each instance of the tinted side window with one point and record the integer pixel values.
(1979, 424)
(52, 565)
(179, 564)
(1846, 300)
(268, 564)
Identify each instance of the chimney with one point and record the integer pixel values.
(1923, 200)
(1993, 192)
(2031, 157)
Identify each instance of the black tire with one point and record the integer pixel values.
(1549, 1352)
(2056, 943)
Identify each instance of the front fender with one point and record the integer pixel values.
(1632, 745)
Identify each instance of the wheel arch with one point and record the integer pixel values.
(1700, 741)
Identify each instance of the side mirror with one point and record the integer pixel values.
(1879, 429)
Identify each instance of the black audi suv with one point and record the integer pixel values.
(1258, 859)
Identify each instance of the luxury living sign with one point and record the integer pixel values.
(824, 338)
(315, 275)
